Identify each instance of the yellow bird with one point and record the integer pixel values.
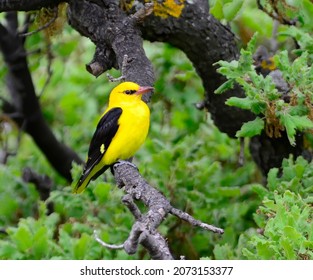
(120, 132)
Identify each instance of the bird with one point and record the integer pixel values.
(121, 131)
(263, 61)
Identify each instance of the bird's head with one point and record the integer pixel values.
(128, 92)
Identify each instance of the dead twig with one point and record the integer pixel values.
(146, 10)
(191, 220)
(144, 230)
(46, 25)
(102, 243)
(49, 69)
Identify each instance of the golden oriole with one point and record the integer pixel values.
(120, 132)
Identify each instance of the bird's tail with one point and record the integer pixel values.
(87, 177)
(82, 183)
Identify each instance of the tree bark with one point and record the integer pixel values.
(205, 41)
(115, 35)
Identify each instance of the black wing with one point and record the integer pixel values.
(105, 131)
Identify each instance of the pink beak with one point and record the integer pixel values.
(143, 90)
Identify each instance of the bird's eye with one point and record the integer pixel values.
(130, 91)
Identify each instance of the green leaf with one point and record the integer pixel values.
(229, 191)
(8, 251)
(304, 39)
(258, 107)
(65, 241)
(8, 206)
(231, 9)
(272, 180)
(41, 245)
(270, 204)
(292, 233)
(282, 61)
(81, 247)
(294, 123)
(266, 251)
(288, 248)
(251, 128)
(223, 252)
(229, 69)
(243, 103)
(225, 86)
(260, 190)
(307, 10)
(249, 254)
(102, 191)
(23, 238)
(217, 9)
(252, 43)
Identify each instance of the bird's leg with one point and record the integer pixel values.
(123, 77)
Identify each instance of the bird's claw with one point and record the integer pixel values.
(121, 162)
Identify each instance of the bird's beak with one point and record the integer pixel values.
(143, 90)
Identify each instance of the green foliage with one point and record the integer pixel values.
(251, 128)
(285, 215)
(264, 100)
(284, 219)
(42, 238)
(185, 157)
(303, 38)
(226, 9)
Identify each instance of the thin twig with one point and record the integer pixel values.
(55, 16)
(276, 14)
(109, 246)
(32, 52)
(191, 220)
(29, 19)
(146, 10)
(241, 158)
(273, 40)
(49, 70)
(4, 153)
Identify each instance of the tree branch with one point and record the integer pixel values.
(191, 220)
(144, 230)
(43, 185)
(205, 41)
(109, 27)
(27, 5)
(27, 113)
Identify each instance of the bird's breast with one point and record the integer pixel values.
(133, 129)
